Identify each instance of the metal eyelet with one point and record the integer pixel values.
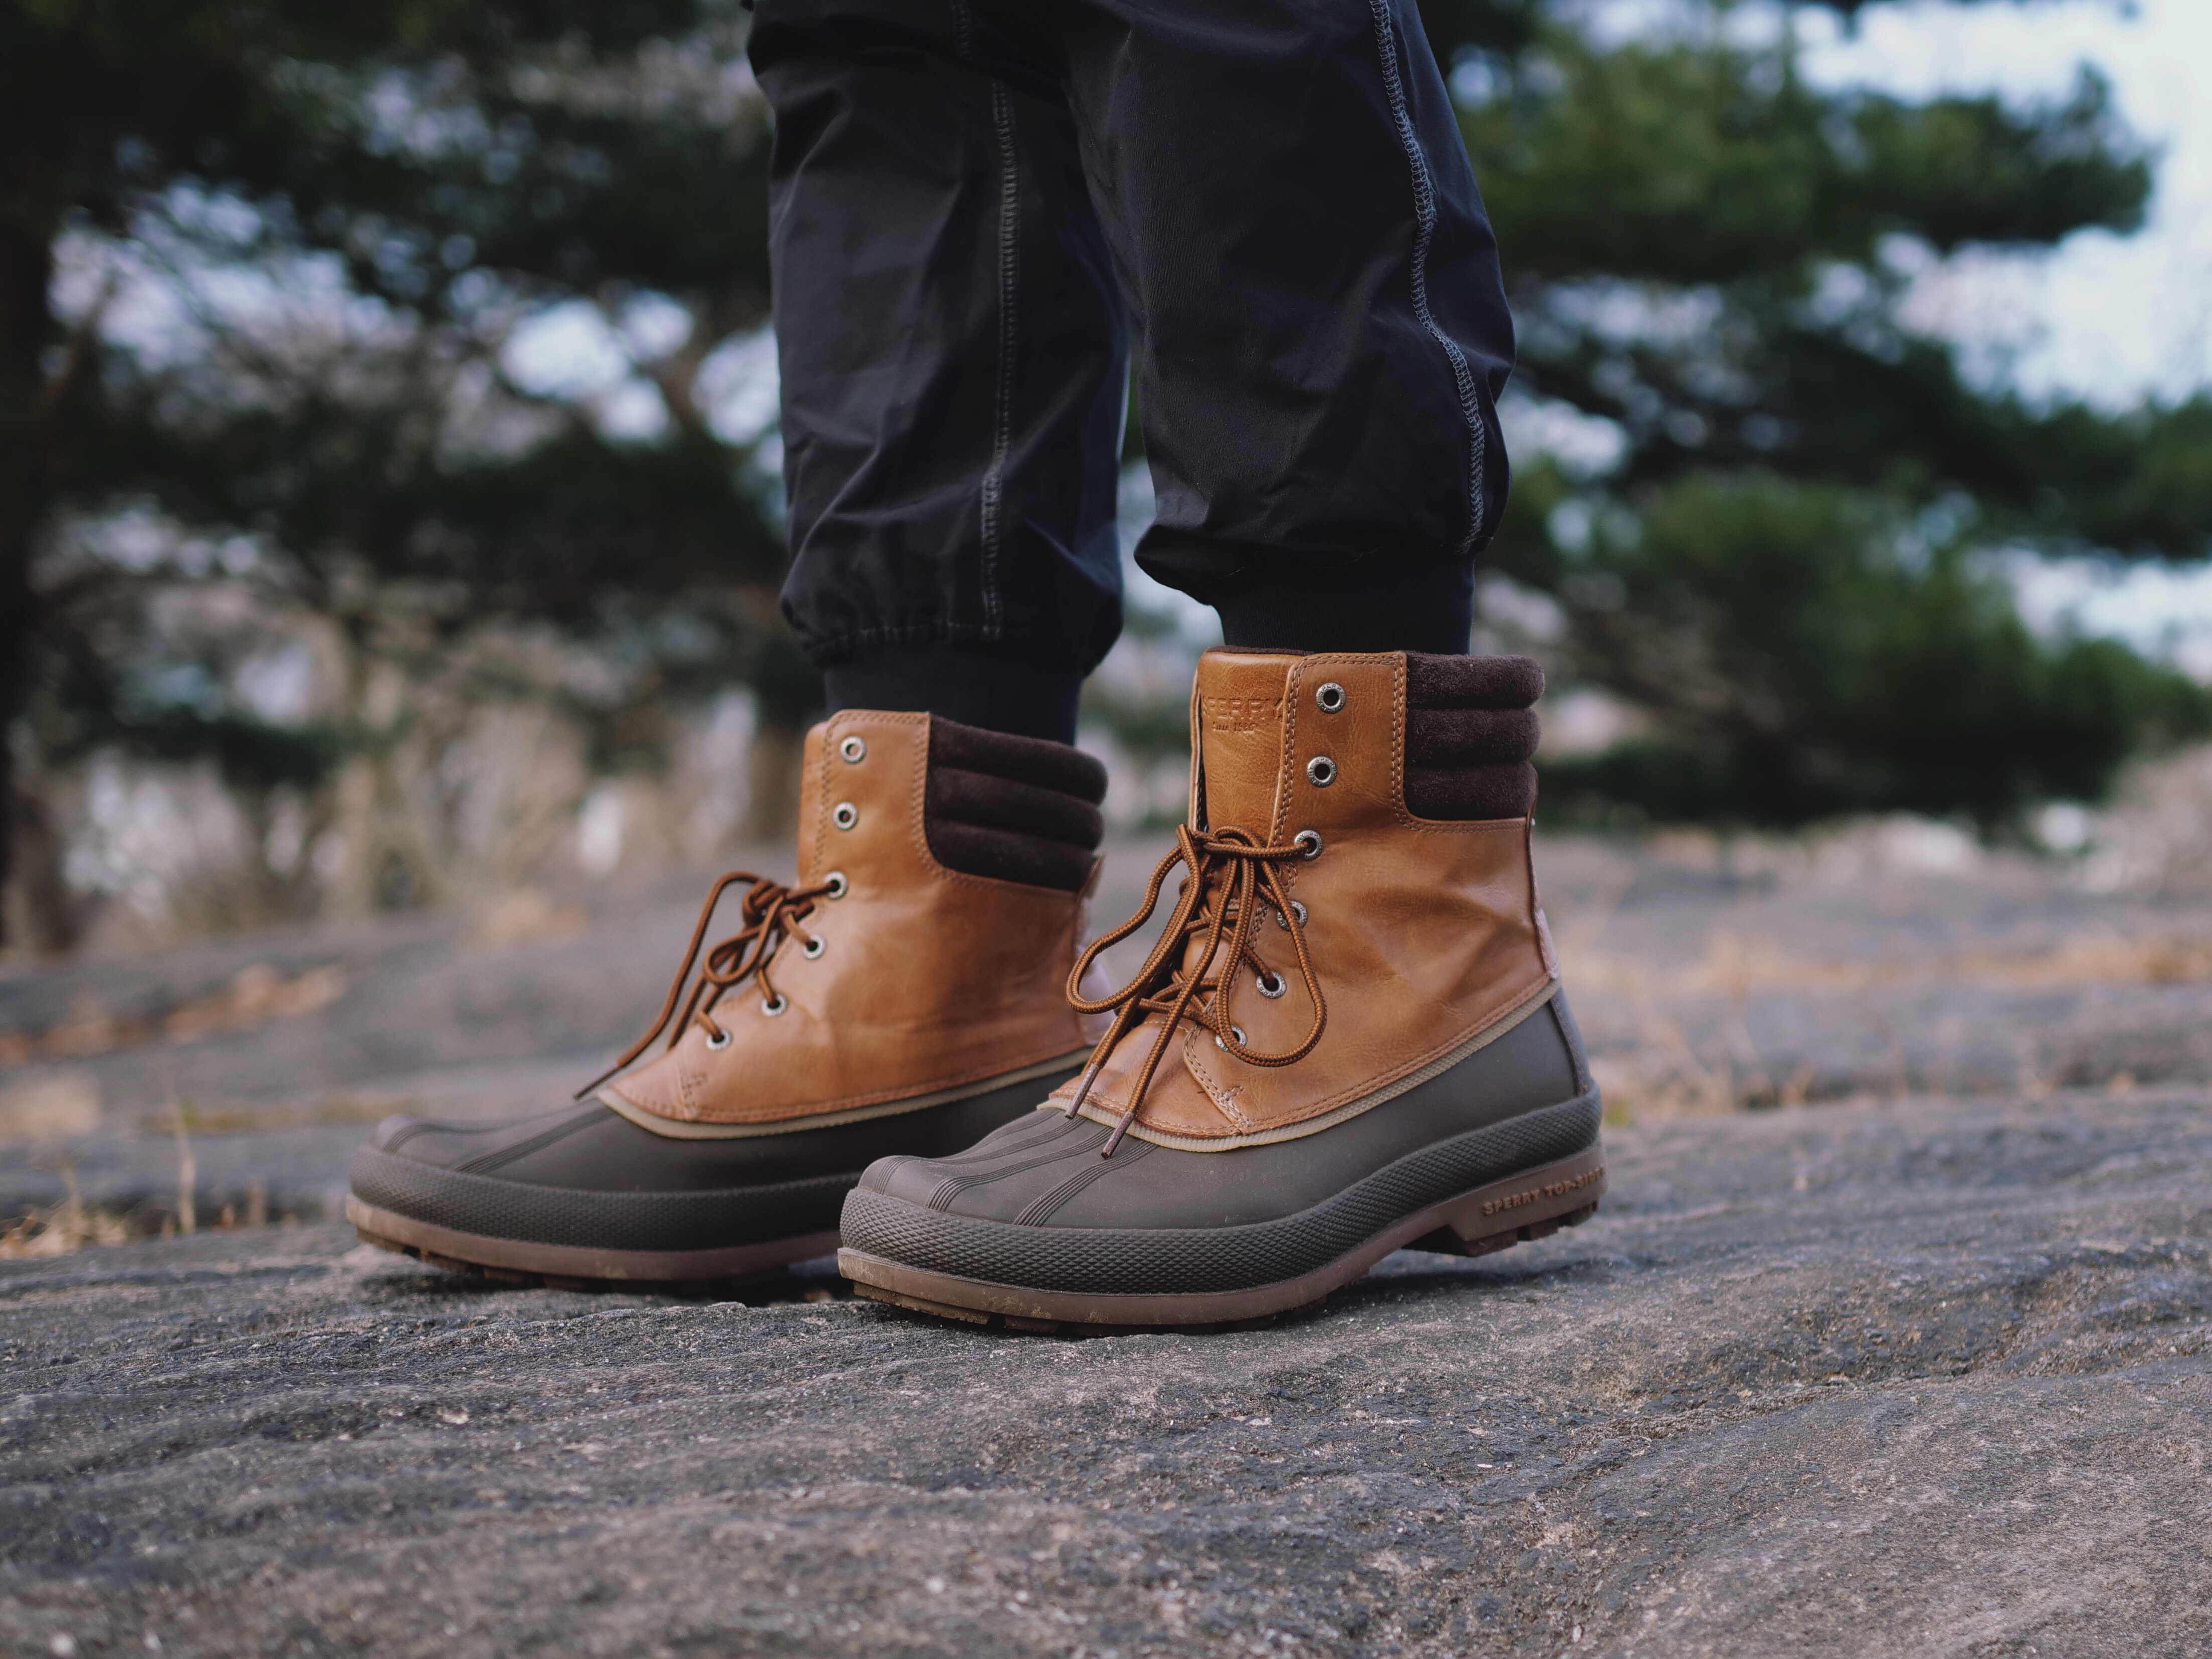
(1320, 771)
(718, 1041)
(1298, 908)
(854, 750)
(1236, 1032)
(813, 948)
(1270, 985)
(836, 882)
(1329, 698)
(776, 1004)
(845, 815)
(1308, 841)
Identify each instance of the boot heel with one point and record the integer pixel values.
(1532, 1205)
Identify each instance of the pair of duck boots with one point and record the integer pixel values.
(1349, 1036)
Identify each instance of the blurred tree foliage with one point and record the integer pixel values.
(1792, 562)
(348, 209)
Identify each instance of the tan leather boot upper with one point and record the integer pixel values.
(899, 983)
(1423, 938)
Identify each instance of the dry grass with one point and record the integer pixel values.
(255, 996)
(1735, 966)
(72, 1223)
(68, 1225)
(1660, 1073)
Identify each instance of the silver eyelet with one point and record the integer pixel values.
(1270, 985)
(813, 948)
(1236, 1032)
(854, 750)
(718, 1041)
(1321, 771)
(1298, 908)
(1308, 841)
(1329, 698)
(776, 1004)
(836, 882)
(844, 815)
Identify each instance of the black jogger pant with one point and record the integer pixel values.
(979, 208)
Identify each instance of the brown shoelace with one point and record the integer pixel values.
(1229, 870)
(772, 912)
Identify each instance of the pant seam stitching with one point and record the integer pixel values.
(1425, 210)
(993, 490)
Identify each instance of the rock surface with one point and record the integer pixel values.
(1928, 1377)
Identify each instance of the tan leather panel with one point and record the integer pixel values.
(1422, 933)
(1238, 699)
(928, 978)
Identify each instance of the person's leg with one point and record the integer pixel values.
(953, 368)
(1321, 330)
(1350, 1036)
(954, 362)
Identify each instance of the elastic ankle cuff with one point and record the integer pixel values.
(1011, 807)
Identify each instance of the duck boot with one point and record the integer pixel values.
(903, 996)
(1350, 1037)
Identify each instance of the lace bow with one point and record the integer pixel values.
(1230, 869)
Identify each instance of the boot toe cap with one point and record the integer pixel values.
(394, 1132)
(913, 1180)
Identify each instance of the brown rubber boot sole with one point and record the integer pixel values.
(567, 1267)
(1530, 1205)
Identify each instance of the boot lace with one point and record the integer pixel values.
(772, 912)
(1230, 871)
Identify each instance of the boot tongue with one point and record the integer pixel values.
(1240, 712)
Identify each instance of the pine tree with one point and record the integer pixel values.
(442, 169)
(1788, 568)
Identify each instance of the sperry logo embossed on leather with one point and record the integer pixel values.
(1555, 1189)
(1243, 714)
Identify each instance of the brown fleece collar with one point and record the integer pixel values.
(1012, 808)
(1471, 731)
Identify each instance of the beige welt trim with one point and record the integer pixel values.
(675, 1129)
(1312, 1125)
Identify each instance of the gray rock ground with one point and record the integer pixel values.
(1923, 1377)
(1923, 1370)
